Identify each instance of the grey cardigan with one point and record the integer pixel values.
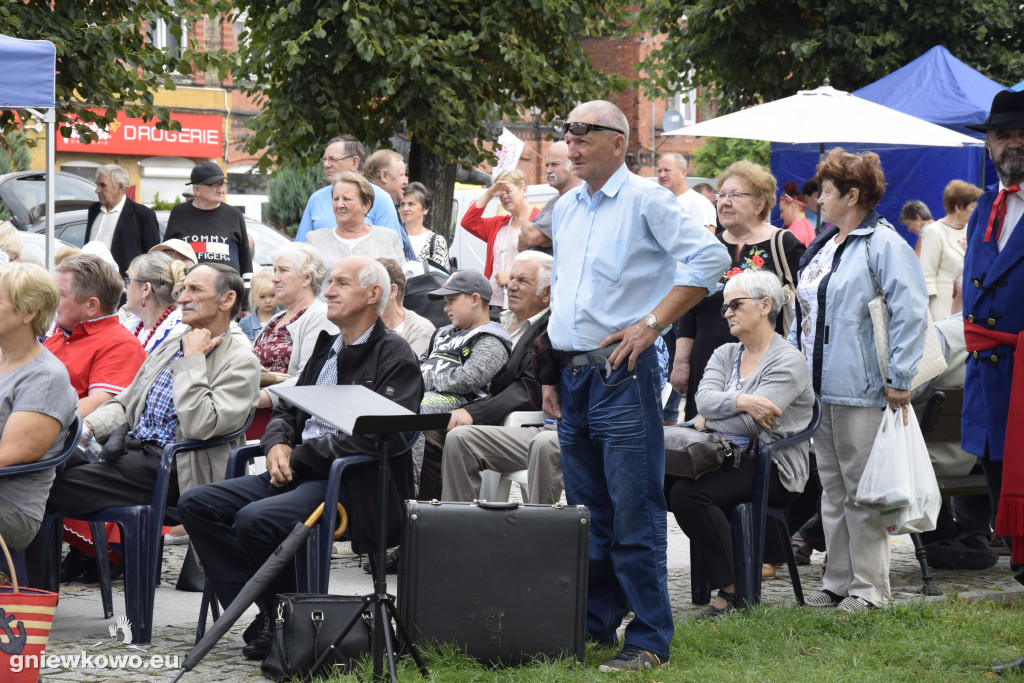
(781, 376)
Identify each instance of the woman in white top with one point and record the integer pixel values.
(353, 199)
(943, 244)
(151, 290)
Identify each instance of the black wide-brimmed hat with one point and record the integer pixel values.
(1007, 112)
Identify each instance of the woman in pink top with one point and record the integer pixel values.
(791, 208)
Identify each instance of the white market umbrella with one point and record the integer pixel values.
(826, 115)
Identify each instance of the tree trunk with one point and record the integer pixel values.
(439, 177)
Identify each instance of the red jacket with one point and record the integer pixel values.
(487, 230)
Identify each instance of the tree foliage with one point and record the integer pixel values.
(437, 70)
(717, 153)
(105, 61)
(14, 152)
(743, 52)
(288, 195)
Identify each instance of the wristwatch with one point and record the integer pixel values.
(652, 322)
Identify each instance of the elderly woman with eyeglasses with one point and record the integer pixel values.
(151, 291)
(746, 195)
(764, 376)
(840, 274)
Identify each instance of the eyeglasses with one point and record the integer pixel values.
(219, 185)
(128, 280)
(735, 304)
(733, 195)
(334, 160)
(581, 128)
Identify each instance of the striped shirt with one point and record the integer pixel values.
(315, 427)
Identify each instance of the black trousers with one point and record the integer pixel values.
(699, 508)
(237, 523)
(82, 488)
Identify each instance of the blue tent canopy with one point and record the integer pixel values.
(27, 76)
(938, 88)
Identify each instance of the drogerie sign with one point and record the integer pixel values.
(200, 136)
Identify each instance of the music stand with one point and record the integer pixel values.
(357, 410)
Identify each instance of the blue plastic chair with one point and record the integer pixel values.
(313, 567)
(748, 521)
(141, 541)
(70, 442)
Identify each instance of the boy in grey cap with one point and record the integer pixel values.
(463, 357)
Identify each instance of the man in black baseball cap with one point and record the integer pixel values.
(993, 323)
(206, 173)
(214, 230)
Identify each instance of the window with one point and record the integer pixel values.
(686, 104)
(162, 36)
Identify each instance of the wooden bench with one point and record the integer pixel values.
(940, 422)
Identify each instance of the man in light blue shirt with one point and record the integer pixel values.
(344, 153)
(628, 263)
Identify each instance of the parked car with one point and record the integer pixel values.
(23, 195)
(70, 226)
(34, 247)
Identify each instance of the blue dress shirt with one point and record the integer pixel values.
(618, 253)
(319, 214)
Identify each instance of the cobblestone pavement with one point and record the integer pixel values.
(79, 625)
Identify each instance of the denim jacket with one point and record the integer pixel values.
(844, 363)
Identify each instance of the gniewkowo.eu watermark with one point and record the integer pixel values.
(86, 660)
(120, 632)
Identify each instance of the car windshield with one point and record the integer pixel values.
(23, 195)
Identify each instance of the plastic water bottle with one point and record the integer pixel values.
(89, 447)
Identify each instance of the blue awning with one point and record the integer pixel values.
(27, 73)
(939, 88)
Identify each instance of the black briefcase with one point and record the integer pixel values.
(504, 582)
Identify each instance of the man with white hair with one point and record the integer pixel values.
(560, 175)
(672, 174)
(619, 243)
(473, 439)
(249, 516)
(127, 229)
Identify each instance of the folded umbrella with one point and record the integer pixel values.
(254, 587)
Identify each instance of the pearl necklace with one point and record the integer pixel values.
(158, 323)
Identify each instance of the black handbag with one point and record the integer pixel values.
(691, 453)
(309, 623)
(416, 289)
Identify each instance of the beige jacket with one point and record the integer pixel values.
(212, 396)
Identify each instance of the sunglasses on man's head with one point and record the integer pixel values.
(581, 128)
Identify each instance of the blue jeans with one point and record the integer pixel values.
(613, 461)
(672, 406)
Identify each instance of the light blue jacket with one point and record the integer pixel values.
(845, 366)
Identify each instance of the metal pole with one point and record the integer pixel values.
(51, 159)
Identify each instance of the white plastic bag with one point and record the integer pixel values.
(885, 483)
(923, 510)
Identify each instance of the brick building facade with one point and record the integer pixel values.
(213, 115)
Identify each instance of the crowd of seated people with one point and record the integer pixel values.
(176, 361)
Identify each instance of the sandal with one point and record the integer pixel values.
(713, 612)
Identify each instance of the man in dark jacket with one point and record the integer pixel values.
(515, 387)
(126, 228)
(249, 516)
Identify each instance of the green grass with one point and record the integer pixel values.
(951, 640)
